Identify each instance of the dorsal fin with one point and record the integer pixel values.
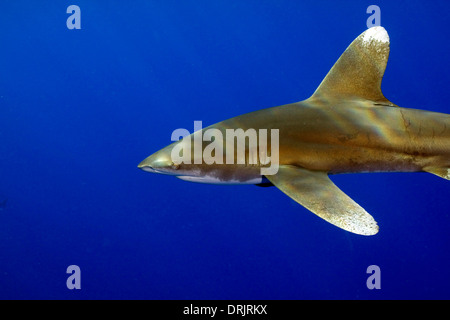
(360, 69)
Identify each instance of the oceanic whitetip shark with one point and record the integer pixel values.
(346, 126)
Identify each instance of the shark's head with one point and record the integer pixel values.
(179, 159)
(161, 162)
(166, 162)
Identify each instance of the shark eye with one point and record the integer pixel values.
(175, 166)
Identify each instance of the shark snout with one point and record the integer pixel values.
(147, 162)
(146, 165)
(159, 162)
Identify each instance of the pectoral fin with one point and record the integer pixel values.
(315, 191)
(440, 172)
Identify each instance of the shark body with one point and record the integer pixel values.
(346, 126)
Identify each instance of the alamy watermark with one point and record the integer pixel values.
(74, 280)
(374, 280)
(246, 147)
(375, 18)
(74, 20)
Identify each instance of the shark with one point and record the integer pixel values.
(346, 126)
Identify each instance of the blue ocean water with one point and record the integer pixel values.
(79, 109)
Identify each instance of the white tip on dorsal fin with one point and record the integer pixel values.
(360, 69)
(375, 34)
